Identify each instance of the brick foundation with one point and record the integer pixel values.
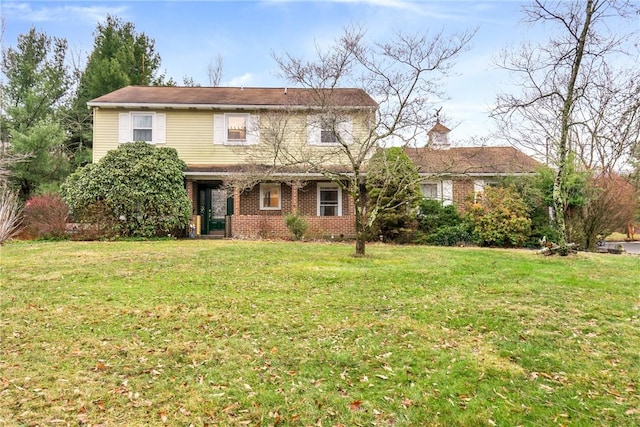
(267, 227)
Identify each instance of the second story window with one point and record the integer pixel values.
(236, 128)
(142, 125)
(329, 130)
(327, 133)
(148, 126)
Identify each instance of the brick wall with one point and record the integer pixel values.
(266, 227)
(462, 190)
(250, 202)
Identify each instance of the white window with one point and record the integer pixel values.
(329, 199)
(142, 126)
(270, 196)
(431, 190)
(329, 130)
(236, 129)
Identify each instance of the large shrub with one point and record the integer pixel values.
(134, 191)
(45, 217)
(499, 217)
(441, 225)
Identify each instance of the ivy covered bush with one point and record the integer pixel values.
(134, 191)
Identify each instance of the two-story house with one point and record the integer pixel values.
(220, 133)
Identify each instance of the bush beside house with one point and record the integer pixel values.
(136, 190)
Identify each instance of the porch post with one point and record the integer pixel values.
(236, 200)
(295, 186)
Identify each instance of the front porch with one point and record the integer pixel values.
(221, 211)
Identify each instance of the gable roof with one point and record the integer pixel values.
(232, 97)
(472, 161)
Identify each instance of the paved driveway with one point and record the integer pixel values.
(629, 247)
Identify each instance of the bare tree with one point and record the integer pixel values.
(214, 70)
(402, 75)
(564, 88)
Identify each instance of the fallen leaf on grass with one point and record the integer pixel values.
(356, 405)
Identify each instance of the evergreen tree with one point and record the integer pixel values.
(120, 57)
(393, 192)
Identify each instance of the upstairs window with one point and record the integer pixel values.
(329, 130)
(142, 125)
(327, 133)
(236, 128)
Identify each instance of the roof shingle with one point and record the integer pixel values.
(234, 96)
(472, 160)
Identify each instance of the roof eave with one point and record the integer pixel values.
(175, 106)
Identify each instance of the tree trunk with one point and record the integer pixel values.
(559, 185)
(361, 231)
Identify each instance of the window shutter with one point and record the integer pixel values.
(345, 130)
(219, 128)
(447, 192)
(160, 128)
(124, 128)
(253, 129)
(313, 129)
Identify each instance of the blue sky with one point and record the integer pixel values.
(189, 36)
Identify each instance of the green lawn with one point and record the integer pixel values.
(216, 333)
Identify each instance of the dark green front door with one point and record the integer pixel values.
(212, 210)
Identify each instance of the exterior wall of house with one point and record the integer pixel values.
(191, 133)
(463, 188)
(252, 226)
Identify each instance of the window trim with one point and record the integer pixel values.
(342, 130)
(438, 185)
(332, 186)
(263, 188)
(133, 115)
(229, 141)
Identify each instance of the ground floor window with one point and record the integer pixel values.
(431, 190)
(329, 200)
(270, 196)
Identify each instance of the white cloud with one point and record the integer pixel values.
(243, 80)
(67, 13)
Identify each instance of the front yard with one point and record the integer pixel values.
(259, 333)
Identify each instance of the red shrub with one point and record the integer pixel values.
(45, 217)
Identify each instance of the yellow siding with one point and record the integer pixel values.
(190, 132)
